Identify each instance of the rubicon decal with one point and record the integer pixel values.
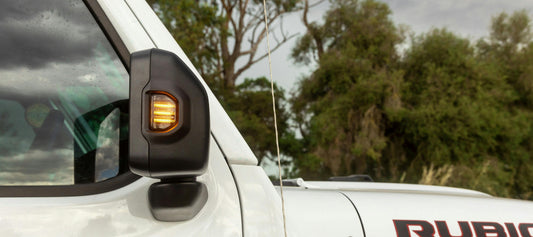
(422, 228)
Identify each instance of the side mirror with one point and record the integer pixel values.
(168, 132)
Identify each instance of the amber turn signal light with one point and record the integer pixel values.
(163, 112)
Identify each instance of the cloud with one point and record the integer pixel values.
(56, 45)
(468, 18)
(37, 33)
(48, 157)
(38, 167)
(107, 152)
(21, 8)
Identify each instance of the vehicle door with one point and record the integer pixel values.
(64, 87)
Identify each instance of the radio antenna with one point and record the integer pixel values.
(275, 119)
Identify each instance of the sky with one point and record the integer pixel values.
(468, 18)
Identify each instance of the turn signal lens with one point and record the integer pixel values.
(163, 112)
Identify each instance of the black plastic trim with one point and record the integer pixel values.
(177, 201)
(69, 190)
(110, 33)
(92, 188)
(183, 151)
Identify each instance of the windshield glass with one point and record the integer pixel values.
(63, 96)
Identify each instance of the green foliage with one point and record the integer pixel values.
(364, 28)
(509, 50)
(197, 27)
(459, 112)
(340, 107)
(251, 109)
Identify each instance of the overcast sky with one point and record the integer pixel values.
(468, 18)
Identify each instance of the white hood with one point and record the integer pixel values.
(403, 214)
(405, 210)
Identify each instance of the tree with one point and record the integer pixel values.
(196, 26)
(461, 114)
(340, 107)
(509, 50)
(447, 112)
(251, 109)
(217, 34)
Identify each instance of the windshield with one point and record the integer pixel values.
(63, 95)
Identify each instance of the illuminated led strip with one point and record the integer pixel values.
(163, 111)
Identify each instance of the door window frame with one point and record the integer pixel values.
(111, 184)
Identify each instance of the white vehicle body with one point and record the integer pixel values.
(242, 201)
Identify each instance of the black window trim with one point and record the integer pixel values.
(70, 190)
(109, 31)
(111, 184)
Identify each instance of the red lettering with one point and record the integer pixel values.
(403, 228)
(511, 229)
(524, 229)
(422, 228)
(484, 228)
(443, 230)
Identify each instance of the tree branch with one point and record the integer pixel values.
(252, 61)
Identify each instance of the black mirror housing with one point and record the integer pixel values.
(182, 150)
